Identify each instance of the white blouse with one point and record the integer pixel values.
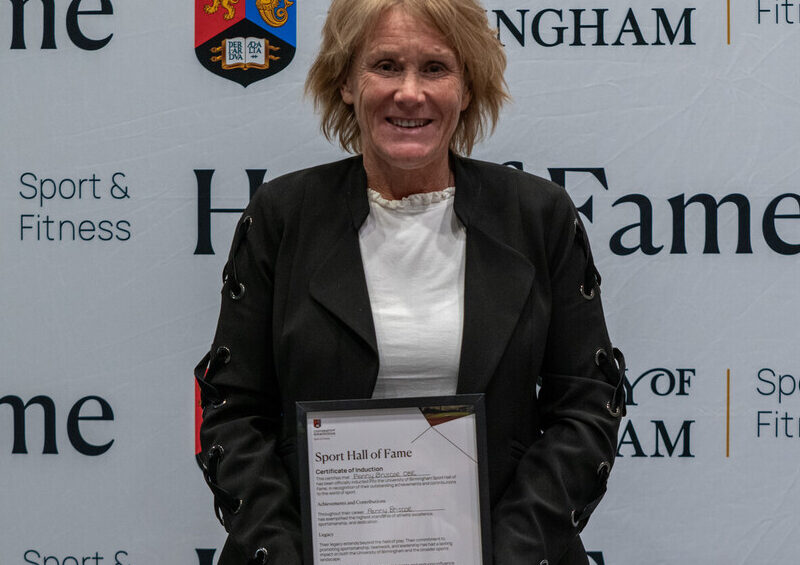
(413, 252)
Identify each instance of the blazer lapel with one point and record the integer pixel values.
(497, 280)
(339, 284)
(497, 283)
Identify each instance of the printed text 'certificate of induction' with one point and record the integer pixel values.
(394, 482)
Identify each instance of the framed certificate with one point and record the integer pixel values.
(394, 481)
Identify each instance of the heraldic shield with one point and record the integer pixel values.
(245, 40)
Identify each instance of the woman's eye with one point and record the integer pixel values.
(435, 68)
(385, 66)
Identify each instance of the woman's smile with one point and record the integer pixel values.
(407, 123)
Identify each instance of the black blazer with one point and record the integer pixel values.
(296, 325)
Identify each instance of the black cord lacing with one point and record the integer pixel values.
(230, 274)
(579, 518)
(614, 370)
(591, 276)
(208, 365)
(222, 498)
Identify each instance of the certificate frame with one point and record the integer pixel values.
(475, 401)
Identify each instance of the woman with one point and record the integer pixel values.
(408, 271)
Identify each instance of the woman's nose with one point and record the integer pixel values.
(410, 90)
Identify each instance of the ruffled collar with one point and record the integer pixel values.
(412, 201)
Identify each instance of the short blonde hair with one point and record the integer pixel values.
(464, 25)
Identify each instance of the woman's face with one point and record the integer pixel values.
(407, 90)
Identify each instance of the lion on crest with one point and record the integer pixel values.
(268, 9)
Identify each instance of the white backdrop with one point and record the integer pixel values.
(121, 310)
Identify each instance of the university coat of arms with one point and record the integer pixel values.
(245, 40)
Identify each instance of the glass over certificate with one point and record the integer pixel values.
(394, 482)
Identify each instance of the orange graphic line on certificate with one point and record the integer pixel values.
(729, 22)
(728, 417)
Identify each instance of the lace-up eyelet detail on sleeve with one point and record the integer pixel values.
(613, 367)
(591, 276)
(210, 395)
(579, 519)
(238, 292)
(223, 500)
(223, 354)
(230, 274)
(261, 556)
(573, 517)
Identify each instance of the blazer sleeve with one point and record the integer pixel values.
(239, 434)
(562, 476)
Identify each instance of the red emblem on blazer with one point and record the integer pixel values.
(317, 423)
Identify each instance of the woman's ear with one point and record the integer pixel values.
(466, 98)
(347, 92)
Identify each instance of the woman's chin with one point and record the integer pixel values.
(412, 156)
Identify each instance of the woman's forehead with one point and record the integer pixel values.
(398, 30)
(397, 50)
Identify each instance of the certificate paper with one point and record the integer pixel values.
(394, 482)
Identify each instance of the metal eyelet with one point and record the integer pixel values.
(604, 468)
(262, 554)
(615, 412)
(216, 450)
(219, 404)
(544, 562)
(223, 354)
(237, 294)
(587, 296)
(235, 511)
(247, 222)
(598, 355)
(572, 519)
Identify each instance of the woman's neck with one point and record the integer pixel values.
(394, 183)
